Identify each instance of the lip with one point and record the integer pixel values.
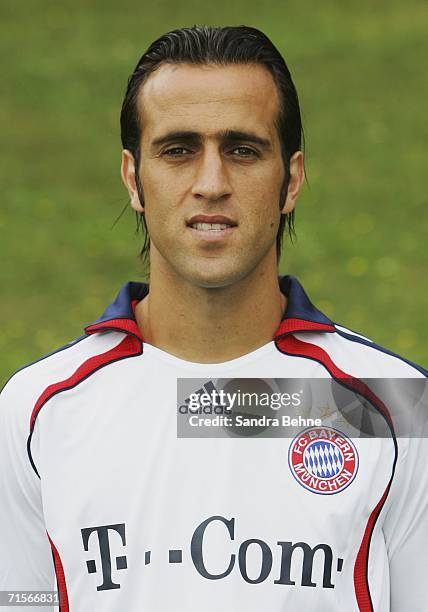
(212, 235)
(210, 219)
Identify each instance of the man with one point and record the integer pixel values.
(99, 492)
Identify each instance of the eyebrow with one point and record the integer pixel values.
(225, 136)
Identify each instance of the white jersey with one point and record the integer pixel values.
(102, 501)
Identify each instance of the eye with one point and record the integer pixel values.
(174, 151)
(246, 152)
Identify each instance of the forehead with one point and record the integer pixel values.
(209, 98)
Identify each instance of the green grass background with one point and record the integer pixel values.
(360, 69)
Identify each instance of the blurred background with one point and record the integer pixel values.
(362, 224)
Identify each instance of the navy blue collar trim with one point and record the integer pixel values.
(299, 305)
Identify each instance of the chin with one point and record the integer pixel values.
(210, 278)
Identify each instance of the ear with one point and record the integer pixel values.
(127, 171)
(297, 176)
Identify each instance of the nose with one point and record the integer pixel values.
(211, 180)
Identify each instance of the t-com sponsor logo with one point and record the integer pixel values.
(281, 562)
(323, 460)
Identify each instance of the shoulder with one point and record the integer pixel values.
(24, 387)
(356, 354)
(379, 357)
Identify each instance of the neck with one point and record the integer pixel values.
(192, 322)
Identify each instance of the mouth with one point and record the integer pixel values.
(211, 228)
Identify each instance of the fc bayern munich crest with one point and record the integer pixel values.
(323, 460)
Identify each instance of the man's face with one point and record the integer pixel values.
(210, 148)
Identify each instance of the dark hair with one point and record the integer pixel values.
(222, 46)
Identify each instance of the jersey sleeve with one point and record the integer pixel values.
(406, 524)
(26, 561)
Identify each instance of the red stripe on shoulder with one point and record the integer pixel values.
(128, 347)
(293, 346)
(128, 326)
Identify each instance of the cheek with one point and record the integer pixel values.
(160, 193)
(265, 211)
(157, 213)
(264, 191)
(152, 184)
